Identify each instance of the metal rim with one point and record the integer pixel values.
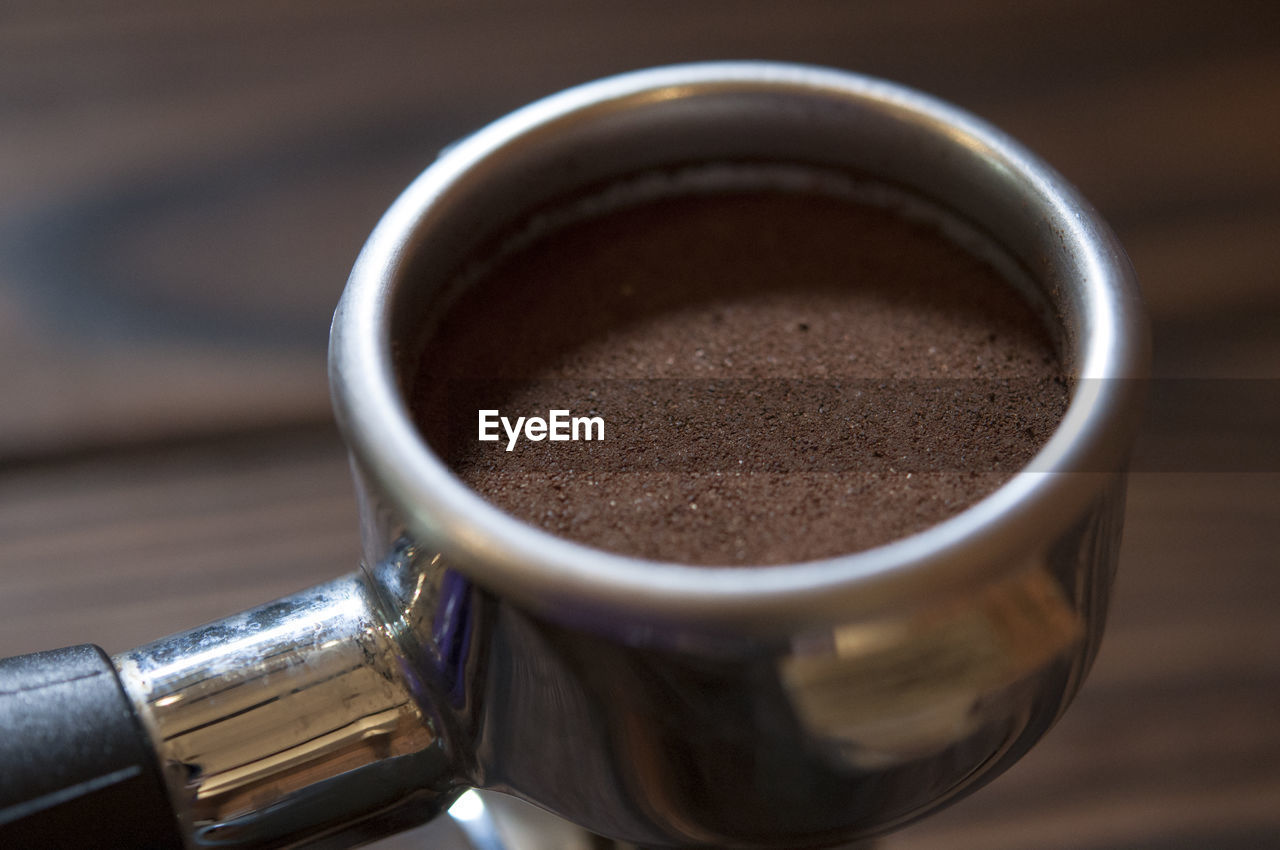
(572, 580)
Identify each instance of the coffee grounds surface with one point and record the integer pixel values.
(783, 377)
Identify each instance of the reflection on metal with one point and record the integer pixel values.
(473, 818)
(885, 692)
(516, 825)
(254, 716)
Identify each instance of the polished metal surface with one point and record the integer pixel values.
(660, 704)
(291, 721)
(832, 735)
(484, 817)
(473, 816)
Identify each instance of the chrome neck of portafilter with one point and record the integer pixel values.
(295, 721)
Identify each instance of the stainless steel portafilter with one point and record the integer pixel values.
(660, 704)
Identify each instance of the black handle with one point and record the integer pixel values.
(76, 767)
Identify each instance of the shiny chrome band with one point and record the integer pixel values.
(287, 721)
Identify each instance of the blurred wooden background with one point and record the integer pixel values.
(183, 189)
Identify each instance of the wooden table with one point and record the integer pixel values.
(184, 189)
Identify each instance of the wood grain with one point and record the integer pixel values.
(184, 189)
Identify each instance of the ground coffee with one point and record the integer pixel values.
(783, 372)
